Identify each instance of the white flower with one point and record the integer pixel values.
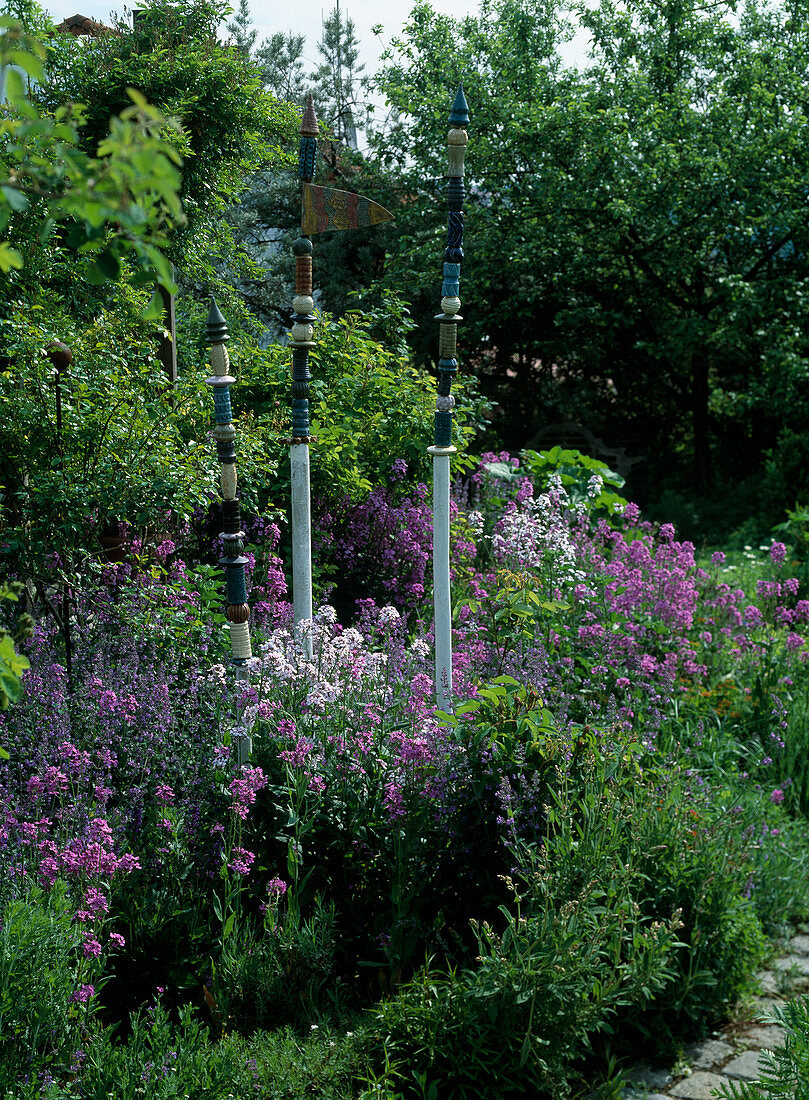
(594, 486)
(388, 614)
(304, 628)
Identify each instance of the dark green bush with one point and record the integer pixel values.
(41, 969)
(277, 975)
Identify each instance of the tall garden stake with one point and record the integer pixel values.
(443, 450)
(322, 209)
(233, 560)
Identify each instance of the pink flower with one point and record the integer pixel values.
(92, 949)
(241, 861)
(117, 940)
(777, 795)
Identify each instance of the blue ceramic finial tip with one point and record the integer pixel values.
(216, 329)
(459, 115)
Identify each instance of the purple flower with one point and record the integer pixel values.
(778, 553)
(83, 994)
(777, 795)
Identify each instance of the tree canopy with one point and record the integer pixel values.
(637, 252)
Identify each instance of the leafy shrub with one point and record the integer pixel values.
(369, 406)
(572, 949)
(42, 975)
(265, 980)
(325, 1061)
(160, 1059)
(132, 448)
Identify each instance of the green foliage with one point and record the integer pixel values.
(131, 448)
(278, 975)
(160, 1059)
(572, 950)
(126, 181)
(653, 205)
(224, 126)
(784, 1072)
(324, 1062)
(12, 664)
(369, 405)
(40, 969)
(588, 482)
(629, 918)
(337, 80)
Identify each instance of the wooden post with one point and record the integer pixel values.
(61, 357)
(167, 349)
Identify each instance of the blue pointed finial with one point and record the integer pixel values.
(217, 328)
(459, 115)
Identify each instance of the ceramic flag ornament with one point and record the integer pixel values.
(233, 560)
(322, 209)
(442, 450)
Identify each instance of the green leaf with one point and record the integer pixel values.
(108, 264)
(15, 199)
(154, 310)
(31, 65)
(9, 257)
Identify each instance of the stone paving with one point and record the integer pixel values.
(732, 1054)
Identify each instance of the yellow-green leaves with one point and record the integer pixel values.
(121, 203)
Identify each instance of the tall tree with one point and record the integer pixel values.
(638, 231)
(337, 81)
(280, 58)
(225, 126)
(241, 27)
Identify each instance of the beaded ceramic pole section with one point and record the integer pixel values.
(443, 450)
(233, 560)
(300, 340)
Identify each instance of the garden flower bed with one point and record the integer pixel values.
(583, 861)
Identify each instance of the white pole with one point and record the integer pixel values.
(441, 585)
(443, 450)
(301, 539)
